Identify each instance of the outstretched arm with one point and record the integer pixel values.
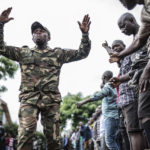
(70, 55)
(79, 104)
(7, 51)
(97, 96)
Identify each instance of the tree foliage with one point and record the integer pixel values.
(40, 135)
(69, 109)
(11, 128)
(7, 69)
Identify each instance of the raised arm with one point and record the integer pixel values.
(7, 51)
(70, 55)
(107, 47)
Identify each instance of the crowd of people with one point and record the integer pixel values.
(125, 98)
(122, 122)
(92, 135)
(7, 142)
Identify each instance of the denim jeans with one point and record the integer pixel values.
(81, 143)
(103, 143)
(111, 128)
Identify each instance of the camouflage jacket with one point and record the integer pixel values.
(40, 69)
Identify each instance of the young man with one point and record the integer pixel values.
(128, 102)
(128, 25)
(40, 70)
(127, 98)
(109, 109)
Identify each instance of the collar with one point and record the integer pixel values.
(42, 51)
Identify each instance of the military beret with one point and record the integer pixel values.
(36, 25)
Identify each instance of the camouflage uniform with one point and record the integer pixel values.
(40, 70)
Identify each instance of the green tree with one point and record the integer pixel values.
(11, 128)
(7, 69)
(69, 109)
(40, 135)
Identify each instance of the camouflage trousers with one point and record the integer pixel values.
(28, 116)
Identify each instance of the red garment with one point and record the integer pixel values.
(117, 88)
(7, 141)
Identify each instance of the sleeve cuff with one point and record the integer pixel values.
(85, 37)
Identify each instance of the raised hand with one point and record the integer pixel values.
(105, 44)
(85, 25)
(107, 47)
(4, 17)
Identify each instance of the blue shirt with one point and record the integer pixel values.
(108, 96)
(65, 141)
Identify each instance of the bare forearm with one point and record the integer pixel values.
(124, 78)
(86, 101)
(108, 49)
(137, 43)
(147, 68)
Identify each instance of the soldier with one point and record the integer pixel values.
(40, 70)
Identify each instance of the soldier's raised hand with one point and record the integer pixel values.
(4, 17)
(85, 25)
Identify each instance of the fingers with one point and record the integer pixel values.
(89, 24)
(86, 19)
(10, 19)
(7, 12)
(85, 24)
(143, 85)
(79, 23)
